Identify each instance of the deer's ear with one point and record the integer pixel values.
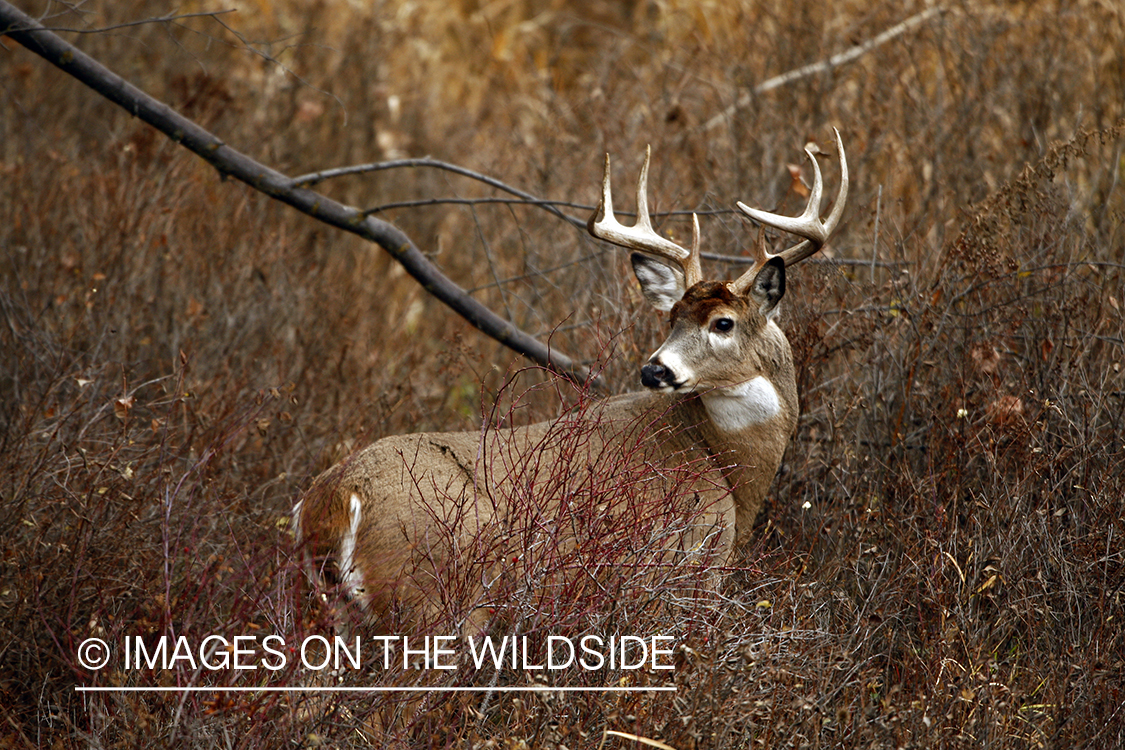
(661, 283)
(769, 287)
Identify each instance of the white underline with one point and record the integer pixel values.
(508, 689)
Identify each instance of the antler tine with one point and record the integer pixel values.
(761, 258)
(644, 221)
(808, 224)
(641, 235)
(693, 273)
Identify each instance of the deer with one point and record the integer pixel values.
(719, 395)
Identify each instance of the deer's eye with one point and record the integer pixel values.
(722, 325)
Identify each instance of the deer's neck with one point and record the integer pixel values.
(747, 429)
(743, 429)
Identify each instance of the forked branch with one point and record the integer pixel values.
(231, 163)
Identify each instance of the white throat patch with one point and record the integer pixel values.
(736, 408)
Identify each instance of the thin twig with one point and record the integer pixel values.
(142, 22)
(875, 241)
(313, 178)
(427, 202)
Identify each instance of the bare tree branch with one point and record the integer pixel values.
(824, 66)
(231, 163)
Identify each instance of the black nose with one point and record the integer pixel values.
(654, 375)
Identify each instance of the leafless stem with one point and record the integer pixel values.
(313, 178)
(171, 18)
(875, 242)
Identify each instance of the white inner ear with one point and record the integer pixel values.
(661, 284)
(770, 282)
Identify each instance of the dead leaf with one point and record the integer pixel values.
(121, 407)
(796, 184)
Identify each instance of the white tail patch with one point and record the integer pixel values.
(738, 407)
(350, 575)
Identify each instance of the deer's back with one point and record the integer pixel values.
(428, 498)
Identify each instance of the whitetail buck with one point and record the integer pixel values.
(393, 520)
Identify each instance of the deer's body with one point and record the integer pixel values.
(717, 413)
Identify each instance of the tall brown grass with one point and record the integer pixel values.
(941, 564)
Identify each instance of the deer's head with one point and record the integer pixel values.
(723, 340)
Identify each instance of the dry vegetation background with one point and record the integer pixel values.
(942, 564)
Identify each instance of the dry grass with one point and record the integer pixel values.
(941, 564)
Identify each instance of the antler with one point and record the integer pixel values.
(807, 225)
(641, 235)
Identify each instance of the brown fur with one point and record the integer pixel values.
(428, 498)
(700, 303)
